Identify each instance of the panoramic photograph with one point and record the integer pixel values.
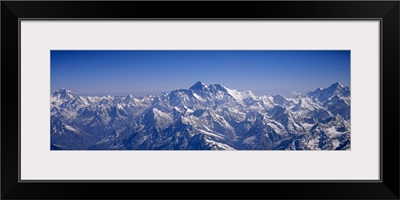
(257, 100)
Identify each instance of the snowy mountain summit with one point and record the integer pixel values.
(198, 86)
(202, 117)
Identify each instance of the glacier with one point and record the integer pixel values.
(202, 117)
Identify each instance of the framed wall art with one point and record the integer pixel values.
(115, 95)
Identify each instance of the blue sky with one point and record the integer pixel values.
(138, 72)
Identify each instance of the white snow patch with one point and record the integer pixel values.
(249, 140)
(198, 97)
(71, 128)
(335, 143)
(332, 131)
(210, 134)
(104, 140)
(220, 145)
(313, 144)
(307, 126)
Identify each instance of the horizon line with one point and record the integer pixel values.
(157, 93)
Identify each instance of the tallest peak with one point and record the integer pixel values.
(198, 86)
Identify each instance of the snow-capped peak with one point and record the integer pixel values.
(336, 89)
(337, 84)
(64, 94)
(63, 91)
(198, 86)
(217, 87)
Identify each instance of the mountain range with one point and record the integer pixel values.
(202, 117)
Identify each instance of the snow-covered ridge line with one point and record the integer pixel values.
(202, 117)
(197, 86)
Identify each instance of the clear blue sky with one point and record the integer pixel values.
(150, 72)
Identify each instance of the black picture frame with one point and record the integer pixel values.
(386, 11)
